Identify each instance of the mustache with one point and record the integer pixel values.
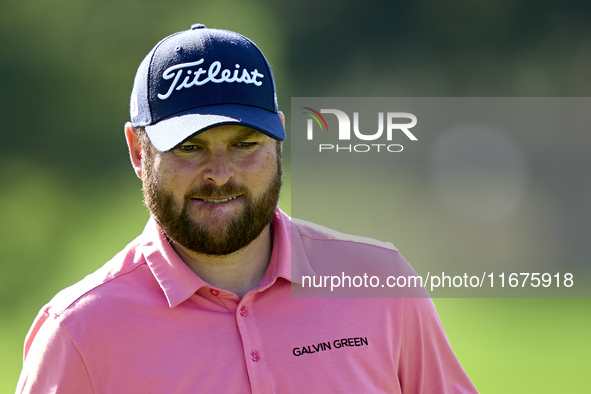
(212, 191)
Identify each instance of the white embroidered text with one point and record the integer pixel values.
(200, 77)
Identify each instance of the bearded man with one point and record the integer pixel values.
(202, 300)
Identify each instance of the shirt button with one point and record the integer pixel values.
(255, 356)
(243, 312)
(214, 292)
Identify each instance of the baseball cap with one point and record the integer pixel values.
(202, 78)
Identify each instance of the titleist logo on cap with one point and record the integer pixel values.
(200, 77)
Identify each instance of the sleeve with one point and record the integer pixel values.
(427, 363)
(52, 364)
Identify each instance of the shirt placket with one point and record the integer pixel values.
(254, 356)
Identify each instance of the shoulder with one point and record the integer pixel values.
(85, 306)
(332, 264)
(101, 284)
(316, 232)
(329, 251)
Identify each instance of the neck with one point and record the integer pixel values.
(239, 272)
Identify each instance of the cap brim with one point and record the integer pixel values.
(171, 132)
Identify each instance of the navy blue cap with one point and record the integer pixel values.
(201, 78)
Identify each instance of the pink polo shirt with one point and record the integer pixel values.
(145, 323)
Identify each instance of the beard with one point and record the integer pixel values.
(227, 238)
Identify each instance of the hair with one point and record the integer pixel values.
(148, 148)
(144, 139)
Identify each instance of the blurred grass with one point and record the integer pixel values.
(54, 233)
(521, 345)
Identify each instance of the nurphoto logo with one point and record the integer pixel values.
(393, 125)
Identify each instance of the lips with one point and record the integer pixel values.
(219, 201)
(216, 200)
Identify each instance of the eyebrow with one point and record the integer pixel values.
(244, 134)
(241, 136)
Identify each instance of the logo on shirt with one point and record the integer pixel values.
(336, 344)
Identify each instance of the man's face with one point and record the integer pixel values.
(217, 192)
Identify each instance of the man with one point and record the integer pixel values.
(202, 300)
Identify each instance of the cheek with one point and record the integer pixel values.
(262, 169)
(174, 175)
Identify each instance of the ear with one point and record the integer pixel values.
(135, 148)
(282, 116)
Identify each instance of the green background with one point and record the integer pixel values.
(69, 199)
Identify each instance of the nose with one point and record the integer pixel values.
(219, 168)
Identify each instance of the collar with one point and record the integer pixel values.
(178, 282)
